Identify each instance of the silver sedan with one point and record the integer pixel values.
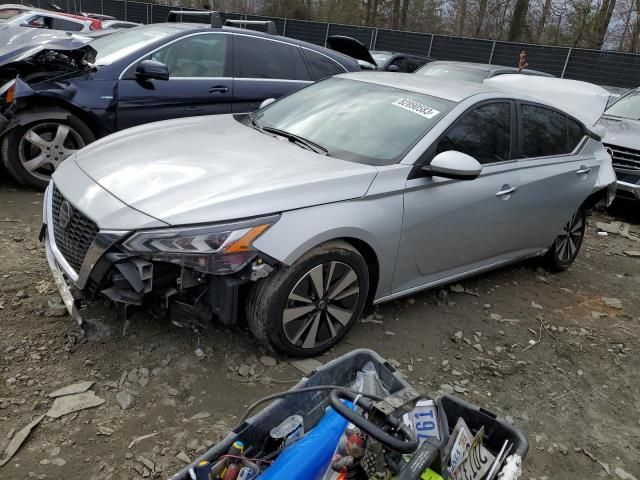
(350, 192)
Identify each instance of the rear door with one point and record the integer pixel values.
(452, 227)
(557, 173)
(200, 82)
(265, 68)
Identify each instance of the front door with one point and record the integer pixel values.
(200, 82)
(452, 227)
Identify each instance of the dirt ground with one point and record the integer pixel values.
(575, 391)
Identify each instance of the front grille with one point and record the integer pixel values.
(626, 158)
(74, 240)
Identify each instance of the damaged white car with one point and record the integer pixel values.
(355, 190)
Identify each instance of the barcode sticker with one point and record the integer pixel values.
(416, 107)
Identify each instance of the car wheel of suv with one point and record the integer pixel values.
(32, 152)
(308, 307)
(566, 247)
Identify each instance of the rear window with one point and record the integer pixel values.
(453, 72)
(322, 66)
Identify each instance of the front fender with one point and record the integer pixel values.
(375, 221)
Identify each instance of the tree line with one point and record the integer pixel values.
(599, 24)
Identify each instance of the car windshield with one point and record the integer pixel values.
(118, 45)
(453, 72)
(627, 107)
(9, 13)
(356, 121)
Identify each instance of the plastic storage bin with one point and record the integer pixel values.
(342, 372)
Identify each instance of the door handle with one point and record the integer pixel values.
(584, 171)
(219, 89)
(507, 190)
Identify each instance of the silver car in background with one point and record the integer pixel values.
(353, 191)
(621, 122)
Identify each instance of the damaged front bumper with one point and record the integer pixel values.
(108, 270)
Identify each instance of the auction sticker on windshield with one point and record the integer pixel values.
(416, 107)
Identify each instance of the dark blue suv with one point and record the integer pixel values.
(65, 99)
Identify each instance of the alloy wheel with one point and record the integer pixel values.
(321, 304)
(568, 242)
(44, 146)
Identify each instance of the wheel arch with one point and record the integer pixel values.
(357, 240)
(44, 108)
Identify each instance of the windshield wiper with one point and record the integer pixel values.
(293, 138)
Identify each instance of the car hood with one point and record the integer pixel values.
(621, 132)
(20, 43)
(210, 169)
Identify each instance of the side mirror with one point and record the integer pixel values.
(455, 165)
(393, 68)
(152, 70)
(266, 102)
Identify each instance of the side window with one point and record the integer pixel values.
(322, 66)
(59, 24)
(484, 133)
(195, 56)
(544, 132)
(574, 134)
(261, 58)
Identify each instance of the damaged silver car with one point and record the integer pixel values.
(350, 192)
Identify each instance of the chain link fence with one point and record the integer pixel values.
(601, 67)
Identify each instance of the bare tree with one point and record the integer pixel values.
(603, 19)
(543, 20)
(518, 20)
(635, 35)
(482, 11)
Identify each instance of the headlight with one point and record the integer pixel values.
(218, 249)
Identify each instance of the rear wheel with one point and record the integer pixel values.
(567, 245)
(32, 152)
(308, 307)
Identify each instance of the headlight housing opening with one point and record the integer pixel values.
(217, 249)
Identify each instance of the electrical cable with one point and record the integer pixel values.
(286, 393)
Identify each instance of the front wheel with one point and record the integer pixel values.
(565, 249)
(32, 152)
(308, 307)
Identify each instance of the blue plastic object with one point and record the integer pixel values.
(309, 457)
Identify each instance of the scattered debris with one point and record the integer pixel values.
(457, 288)
(537, 305)
(618, 228)
(73, 403)
(595, 459)
(305, 365)
(371, 319)
(620, 473)
(143, 437)
(632, 253)
(200, 416)
(18, 439)
(72, 389)
(183, 457)
(106, 431)
(612, 302)
(199, 353)
(268, 361)
(125, 399)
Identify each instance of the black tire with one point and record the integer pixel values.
(269, 298)
(16, 149)
(566, 247)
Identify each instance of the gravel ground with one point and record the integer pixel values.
(556, 354)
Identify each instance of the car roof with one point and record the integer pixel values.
(180, 26)
(488, 67)
(454, 91)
